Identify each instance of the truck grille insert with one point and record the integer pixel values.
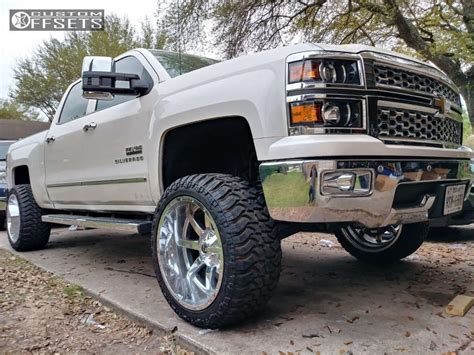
(418, 127)
(403, 79)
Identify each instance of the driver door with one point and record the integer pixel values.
(97, 157)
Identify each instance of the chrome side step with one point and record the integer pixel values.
(128, 225)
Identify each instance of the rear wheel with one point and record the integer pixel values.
(382, 245)
(25, 229)
(216, 256)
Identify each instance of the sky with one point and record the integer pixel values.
(19, 44)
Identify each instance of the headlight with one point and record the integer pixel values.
(331, 71)
(334, 113)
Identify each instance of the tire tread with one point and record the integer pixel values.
(34, 234)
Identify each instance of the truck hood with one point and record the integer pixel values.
(37, 137)
(272, 57)
(360, 48)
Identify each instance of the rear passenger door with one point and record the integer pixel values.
(105, 154)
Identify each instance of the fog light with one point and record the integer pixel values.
(342, 182)
(357, 183)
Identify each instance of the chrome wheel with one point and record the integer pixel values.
(13, 218)
(372, 240)
(190, 253)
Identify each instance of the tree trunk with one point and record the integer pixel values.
(468, 94)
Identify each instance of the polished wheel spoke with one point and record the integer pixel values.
(13, 218)
(190, 253)
(207, 221)
(195, 267)
(191, 277)
(210, 276)
(189, 244)
(192, 221)
(215, 250)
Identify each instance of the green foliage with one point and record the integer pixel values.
(73, 291)
(467, 127)
(11, 110)
(42, 78)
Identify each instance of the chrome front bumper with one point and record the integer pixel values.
(385, 191)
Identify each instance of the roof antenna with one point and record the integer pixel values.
(179, 40)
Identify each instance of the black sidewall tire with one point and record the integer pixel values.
(34, 234)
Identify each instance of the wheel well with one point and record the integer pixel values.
(21, 175)
(223, 145)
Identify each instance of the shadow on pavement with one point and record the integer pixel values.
(451, 234)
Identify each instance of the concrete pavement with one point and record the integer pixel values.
(326, 300)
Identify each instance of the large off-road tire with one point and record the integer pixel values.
(25, 229)
(383, 247)
(215, 253)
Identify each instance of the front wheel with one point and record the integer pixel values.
(215, 253)
(25, 229)
(382, 245)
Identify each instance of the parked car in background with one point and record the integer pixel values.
(3, 181)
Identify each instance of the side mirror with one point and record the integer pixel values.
(101, 82)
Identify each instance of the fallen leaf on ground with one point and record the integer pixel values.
(353, 319)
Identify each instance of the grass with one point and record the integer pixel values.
(73, 291)
(295, 191)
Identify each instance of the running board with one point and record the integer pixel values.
(128, 225)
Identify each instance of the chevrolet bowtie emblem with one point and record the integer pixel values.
(443, 104)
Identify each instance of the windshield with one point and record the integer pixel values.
(170, 61)
(4, 149)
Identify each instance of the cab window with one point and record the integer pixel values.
(129, 65)
(75, 105)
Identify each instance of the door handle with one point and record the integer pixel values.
(89, 126)
(50, 139)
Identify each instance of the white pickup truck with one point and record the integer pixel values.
(219, 161)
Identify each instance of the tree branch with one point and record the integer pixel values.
(468, 14)
(412, 37)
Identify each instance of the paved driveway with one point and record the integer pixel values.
(326, 300)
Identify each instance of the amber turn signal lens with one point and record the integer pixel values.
(303, 71)
(305, 113)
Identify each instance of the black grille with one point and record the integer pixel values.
(421, 127)
(411, 81)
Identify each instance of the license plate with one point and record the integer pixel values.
(453, 199)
